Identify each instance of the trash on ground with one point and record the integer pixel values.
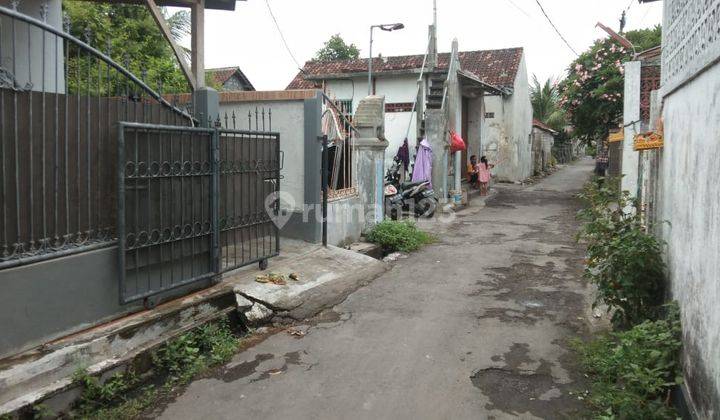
(394, 256)
(296, 333)
(294, 276)
(274, 278)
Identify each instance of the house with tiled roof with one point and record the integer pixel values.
(543, 140)
(491, 109)
(228, 79)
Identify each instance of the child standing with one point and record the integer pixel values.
(484, 175)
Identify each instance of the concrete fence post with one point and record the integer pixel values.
(369, 146)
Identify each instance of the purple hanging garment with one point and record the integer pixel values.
(423, 163)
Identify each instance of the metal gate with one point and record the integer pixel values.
(193, 203)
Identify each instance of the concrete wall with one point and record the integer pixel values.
(690, 200)
(689, 189)
(298, 122)
(346, 219)
(507, 136)
(51, 299)
(542, 149)
(631, 121)
(288, 119)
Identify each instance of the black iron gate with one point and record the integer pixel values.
(193, 203)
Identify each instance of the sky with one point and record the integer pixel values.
(248, 38)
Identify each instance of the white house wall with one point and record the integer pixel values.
(395, 89)
(506, 137)
(689, 196)
(690, 201)
(474, 126)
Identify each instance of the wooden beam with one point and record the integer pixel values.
(198, 42)
(619, 38)
(179, 54)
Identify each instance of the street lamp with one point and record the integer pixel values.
(389, 28)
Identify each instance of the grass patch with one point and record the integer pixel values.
(403, 235)
(632, 372)
(126, 395)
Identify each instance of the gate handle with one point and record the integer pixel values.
(282, 159)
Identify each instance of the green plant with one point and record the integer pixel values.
(336, 49)
(395, 235)
(623, 260)
(97, 395)
(545, 101)
(632, 372)
(175, 362)
(195, 350)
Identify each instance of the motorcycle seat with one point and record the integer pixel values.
(406, 185)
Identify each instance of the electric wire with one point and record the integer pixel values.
(277, 26)
(555, 27)
(519, 8)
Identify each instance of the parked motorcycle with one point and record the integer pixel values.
(404, 196)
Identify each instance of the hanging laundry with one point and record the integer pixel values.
(403, 154)
(422, 170)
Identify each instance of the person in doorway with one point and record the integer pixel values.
(472, 172)
(484, 174)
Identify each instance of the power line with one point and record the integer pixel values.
(287, 47)
(519, 8)
(556, 29)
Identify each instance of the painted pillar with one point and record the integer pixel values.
(34, 57)
(206, 103)
(631, 121)
(369, 146)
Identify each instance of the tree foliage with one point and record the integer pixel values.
(545, 100)
(592, 92)
(336, 49)
(644, 39)
(130, 35)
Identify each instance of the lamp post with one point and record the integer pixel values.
(389, 28)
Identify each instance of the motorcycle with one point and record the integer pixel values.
(403, 196)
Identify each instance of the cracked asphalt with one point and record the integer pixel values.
(474, 326)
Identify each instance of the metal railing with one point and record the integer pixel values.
(60, 101)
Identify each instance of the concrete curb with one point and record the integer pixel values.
(327, 277)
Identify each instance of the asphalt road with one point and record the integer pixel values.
(474, 326)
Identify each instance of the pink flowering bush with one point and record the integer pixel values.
(592, 92)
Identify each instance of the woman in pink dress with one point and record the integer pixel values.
(484, 175)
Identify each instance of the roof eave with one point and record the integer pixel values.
(486, 86)
(330, 76)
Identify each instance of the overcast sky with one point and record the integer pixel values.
(248, 38)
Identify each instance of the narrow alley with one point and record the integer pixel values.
(473, 326)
